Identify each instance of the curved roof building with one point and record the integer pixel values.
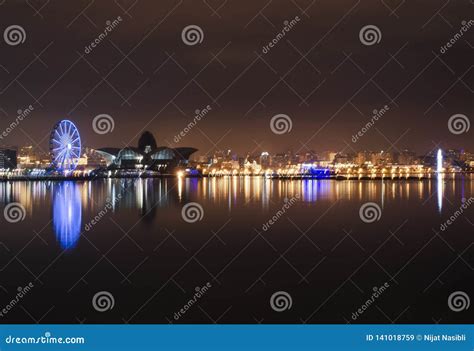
(146, 156)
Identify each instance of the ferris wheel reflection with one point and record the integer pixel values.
(67, 214)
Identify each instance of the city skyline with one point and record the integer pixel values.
(270, 162)
(329, 88)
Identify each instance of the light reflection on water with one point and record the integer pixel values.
(69, 202)
(67, 213)
(440, 191)
(145, 193)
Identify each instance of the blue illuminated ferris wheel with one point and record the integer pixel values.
(65, 146)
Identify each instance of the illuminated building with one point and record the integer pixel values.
(147, 156)
(7, 158)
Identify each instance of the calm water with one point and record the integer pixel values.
(318, 250)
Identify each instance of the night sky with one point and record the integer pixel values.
(147, 78)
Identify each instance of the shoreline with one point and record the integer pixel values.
(299, 177)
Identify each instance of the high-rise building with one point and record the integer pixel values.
(7, 158)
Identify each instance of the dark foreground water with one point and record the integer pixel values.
(251, 238)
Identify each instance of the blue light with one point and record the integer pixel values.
(65, 146)
(314, 171)
(67, 214)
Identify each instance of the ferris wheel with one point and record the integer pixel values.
(65, 146)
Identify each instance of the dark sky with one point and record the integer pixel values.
(146, 78)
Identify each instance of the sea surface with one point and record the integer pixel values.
(236, 250)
